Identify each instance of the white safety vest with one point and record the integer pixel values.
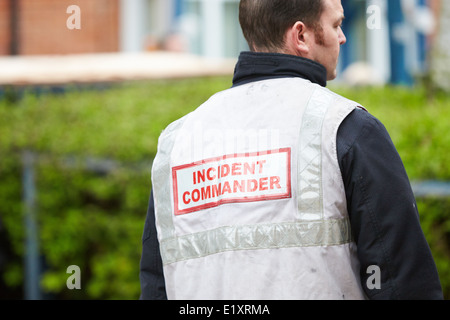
(249, 197)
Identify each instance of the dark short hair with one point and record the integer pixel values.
(265, 22)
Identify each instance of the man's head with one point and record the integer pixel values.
(305, 28)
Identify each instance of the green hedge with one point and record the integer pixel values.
(86, 218)
(95, 220)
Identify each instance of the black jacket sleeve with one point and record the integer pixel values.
(383, 213)
(151, 269)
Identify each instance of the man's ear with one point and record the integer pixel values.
(297, 39)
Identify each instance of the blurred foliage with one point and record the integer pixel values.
(95, 218)
(90, 218)
(435, 220)
(417, 123)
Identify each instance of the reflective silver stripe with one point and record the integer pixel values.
(309, 191)
(161, 181)
(254, 237)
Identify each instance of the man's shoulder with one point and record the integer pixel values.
(358, 124)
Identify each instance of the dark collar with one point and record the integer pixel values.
(257, 66)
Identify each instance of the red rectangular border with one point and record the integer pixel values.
(232, 200)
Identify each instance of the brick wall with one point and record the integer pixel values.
(4, 27)
(43, 30)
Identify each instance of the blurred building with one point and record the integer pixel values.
(36, 27)
(212, 27)
(387, 39)
(440, 62)
(30, 27)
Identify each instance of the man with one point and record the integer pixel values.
(280, 189)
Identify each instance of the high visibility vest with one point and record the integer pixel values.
(249, 197)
